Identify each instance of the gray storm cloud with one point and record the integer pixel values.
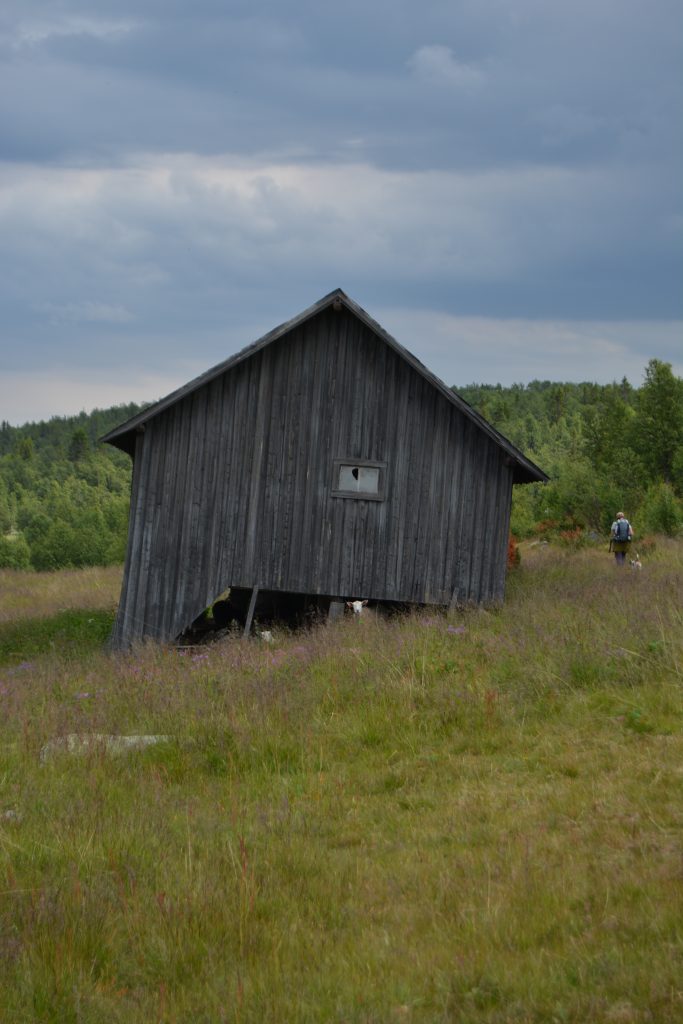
(168, 169)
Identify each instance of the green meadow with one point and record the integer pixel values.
(474, 817)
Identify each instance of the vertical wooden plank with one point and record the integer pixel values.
(168, 523)
(454, 506)
(452, 578)
(396, 405)
(263, 386)
(224, 541)
(198, 496)
(181, 554)
(202, 501)
(377, 401)
(245, 389)
(340, 445)
(275, 499)
(498, 534)
(424, 457)
(211, 521)
(145, 624)
(482, 533)
(299, 378)
(403, 496)
(162, 454)
(436, 525)
(466, 504)
(478, 521)
(500, 569)
(321, 462)
(169, 554)
(123, 634)
(286, 495)
(310, 446)
(284, 486)
(492, 545)
(501, 504)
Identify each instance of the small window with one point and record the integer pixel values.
(360, 479)
(363, 479)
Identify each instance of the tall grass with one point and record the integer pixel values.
(474, 818)
(32, 595)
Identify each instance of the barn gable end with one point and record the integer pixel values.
(246, 477)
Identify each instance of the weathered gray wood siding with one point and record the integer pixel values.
(232, 486)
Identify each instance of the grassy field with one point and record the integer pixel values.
(34, 595)
(474, 818)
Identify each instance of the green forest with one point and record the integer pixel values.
(64, 497)
(605, 448)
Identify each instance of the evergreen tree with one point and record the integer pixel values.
(25, 449)
(609, 427)
(79, 446)
(660, 420)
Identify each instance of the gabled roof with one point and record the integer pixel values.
(124, 436)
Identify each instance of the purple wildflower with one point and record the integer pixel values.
(23, 666)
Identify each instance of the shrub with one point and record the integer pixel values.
(546, 526)
(662, 511)
(14, 552)
(574, 537)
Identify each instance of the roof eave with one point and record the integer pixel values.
(526, 471)
(529, 474)
(114, 436)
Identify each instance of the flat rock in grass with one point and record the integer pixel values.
(83, 743)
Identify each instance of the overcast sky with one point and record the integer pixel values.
(498, 182)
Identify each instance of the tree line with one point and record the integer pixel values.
(606, 448)
(64, 497)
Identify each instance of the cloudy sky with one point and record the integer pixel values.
(498, 182)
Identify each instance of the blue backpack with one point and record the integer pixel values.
(621, 532)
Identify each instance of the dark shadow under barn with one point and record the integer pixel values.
(239, 612)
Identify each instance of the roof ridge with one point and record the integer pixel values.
(529, 470)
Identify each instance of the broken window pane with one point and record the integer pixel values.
(359, 479)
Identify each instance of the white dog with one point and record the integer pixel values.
(636, 564)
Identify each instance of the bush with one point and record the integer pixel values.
(70, 546)
(662, 511)
(514, 557)
(573, 537)
(14, 552)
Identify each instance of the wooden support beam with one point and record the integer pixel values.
(336, 611)
(250, 613)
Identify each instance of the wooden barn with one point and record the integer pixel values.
(321, 464)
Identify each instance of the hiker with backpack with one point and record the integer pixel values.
(621, 535)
